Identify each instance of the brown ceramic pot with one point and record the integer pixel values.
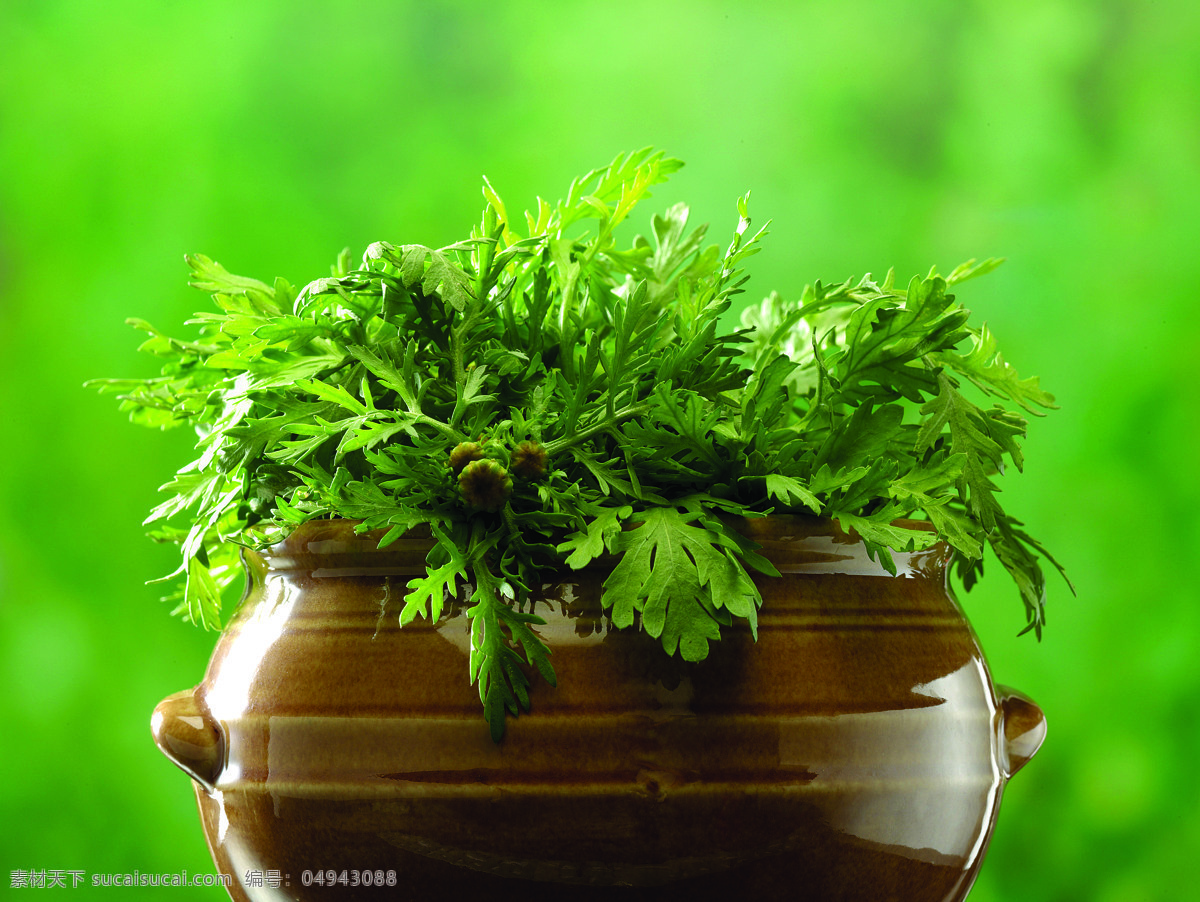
(857, 751)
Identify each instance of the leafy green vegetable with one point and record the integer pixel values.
(540, 396)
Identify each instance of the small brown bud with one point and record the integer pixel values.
(463, 454)
(484, 485)
(529, 461)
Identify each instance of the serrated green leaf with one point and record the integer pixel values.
(665, 574)
(427, 593)
(201, 596)
(495, 666)
(585, 545)
(985, 366)
(791, 492)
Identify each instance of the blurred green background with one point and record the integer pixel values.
(1063, 135)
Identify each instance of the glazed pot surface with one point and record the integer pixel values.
(857, 750)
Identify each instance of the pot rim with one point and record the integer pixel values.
(794, 543)
(769, 526)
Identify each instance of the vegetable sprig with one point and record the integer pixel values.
(540, 395)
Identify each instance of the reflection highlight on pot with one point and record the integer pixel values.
(931, 788)
(229, 697)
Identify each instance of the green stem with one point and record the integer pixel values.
(458, 332)
(449, 431)
(607, 423)
(487, 253)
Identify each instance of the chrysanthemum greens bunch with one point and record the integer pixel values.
(540, 394)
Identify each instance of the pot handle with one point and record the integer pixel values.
(1022, 729)
(185, 732)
